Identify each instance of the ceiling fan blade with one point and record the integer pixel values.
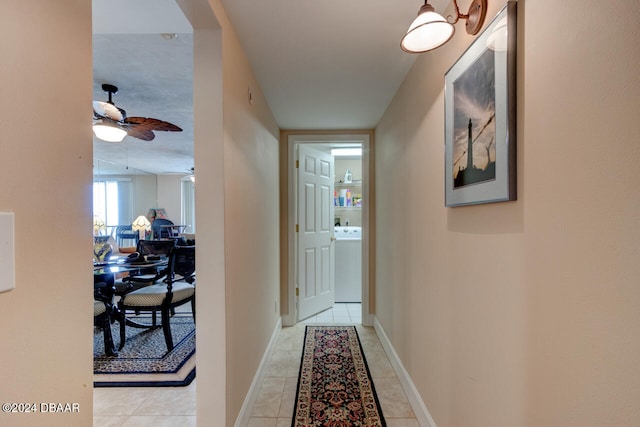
(104, 109)
(140, 133)
(136, 127)
(149, 123)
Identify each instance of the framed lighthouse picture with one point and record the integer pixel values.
(480, 117)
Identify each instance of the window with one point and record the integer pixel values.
(188, 206)
(112, 201)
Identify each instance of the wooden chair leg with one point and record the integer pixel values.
(122, 330)
(109, 347)
(166, 328)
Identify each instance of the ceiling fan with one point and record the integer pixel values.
(112, 123)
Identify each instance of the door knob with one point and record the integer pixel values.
(333, 238)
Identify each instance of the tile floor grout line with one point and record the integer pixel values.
(294, 337)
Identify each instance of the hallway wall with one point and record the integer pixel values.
(522, 313)
(251, 220)
(46, 172)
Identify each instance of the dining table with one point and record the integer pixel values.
(104, 277)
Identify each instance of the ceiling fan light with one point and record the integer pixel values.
(108, 132)
(427, 32)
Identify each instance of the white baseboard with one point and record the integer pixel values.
(288, 320)
(415, 400)
(252, 395)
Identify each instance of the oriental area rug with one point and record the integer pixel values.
(144, 361)
(334, 385)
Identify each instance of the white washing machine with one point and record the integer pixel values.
(348, 264)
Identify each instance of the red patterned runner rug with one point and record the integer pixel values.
(334, 385)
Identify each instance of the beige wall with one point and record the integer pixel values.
(146, 194)
(46, 173)
(170, 196)
(251, 219)
(251, 227)
(523, 313)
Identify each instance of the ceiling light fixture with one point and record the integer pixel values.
(105, 130)
(431, 30)
(111, 123)
(350, 151)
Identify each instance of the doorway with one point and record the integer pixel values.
(360, 215)
(208, 140)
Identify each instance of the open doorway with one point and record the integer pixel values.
(343, 211)
(207, 138)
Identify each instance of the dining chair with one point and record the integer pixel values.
(145, 276)
(103, 310)
(126, 233)
(163, 229)
(185, 266)
(164, 296)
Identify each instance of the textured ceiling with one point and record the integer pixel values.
(331, 64)
(154, 77)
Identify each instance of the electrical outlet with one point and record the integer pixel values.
(7, 254)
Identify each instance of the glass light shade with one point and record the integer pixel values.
(497, 39)
(427, 32)
(141, 225)
(108, 132)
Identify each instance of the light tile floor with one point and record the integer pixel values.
(175, 406)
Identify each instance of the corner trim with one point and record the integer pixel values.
(252, 395)
(415, 400)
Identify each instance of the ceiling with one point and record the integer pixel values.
(330, 64)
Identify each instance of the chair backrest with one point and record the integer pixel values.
(182, 264)
(123, 229)
(103, 286)
(160, 231)
(125, 232)
(155, 247)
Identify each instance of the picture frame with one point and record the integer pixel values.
(480, 117)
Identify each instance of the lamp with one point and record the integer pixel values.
(141, 225)
(98, 225)
(431, 30)
(109, 131)
(498, 40)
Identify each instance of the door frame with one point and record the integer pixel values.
(293, 140)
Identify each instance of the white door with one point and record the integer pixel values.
(315, 287)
